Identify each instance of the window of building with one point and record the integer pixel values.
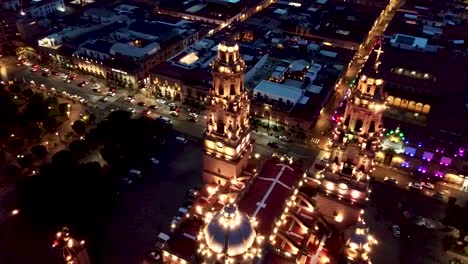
(427, 155)
(422, 169)
(410, 151)
(445, 161)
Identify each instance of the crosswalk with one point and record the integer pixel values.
(315, 140)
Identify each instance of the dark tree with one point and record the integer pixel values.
(79, 148)
(27, 93)
(12, 171)
(15, 88)
(63, 159)
(33, 132)
(64, 108)
(2, 156)
(39, 151)
(79, 127)
(15, 144)
(37, 109)
(50, 124)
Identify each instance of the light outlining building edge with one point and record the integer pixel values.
(70, 250)
(359, 245)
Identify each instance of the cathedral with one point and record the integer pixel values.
(279, 213)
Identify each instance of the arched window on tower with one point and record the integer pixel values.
(232, 90)
(220, 128)
(346, 122)
(371, 126)
(358, 125)
(221, 90)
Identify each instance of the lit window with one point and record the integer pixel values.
(427, 156)
(445, 161)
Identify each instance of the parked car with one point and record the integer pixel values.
(161, 101)
(141, 103)
(396, 231)
(104, 99)
(193, 193)
(154, 161)
(439, 196)
(415, 186)
(145, 112)
(181, 139)
(174, 113)
(111, 94)
(390, 180)
(153, 107)
(273, 144)
(428, 185)
(131, 110)
(96, 90)
(175, 221)
(130, 99)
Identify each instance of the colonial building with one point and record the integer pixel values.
(227, 138)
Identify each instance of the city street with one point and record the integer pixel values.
(404, 179)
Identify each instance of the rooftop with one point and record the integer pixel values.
(268, 192)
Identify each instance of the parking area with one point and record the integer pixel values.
(147, 206)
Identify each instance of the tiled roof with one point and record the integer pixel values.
(267, 194)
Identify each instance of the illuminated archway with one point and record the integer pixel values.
(419, 107)
(390, 100)
(404, 103)
(411, 105)
(397, 102)
(426, 108)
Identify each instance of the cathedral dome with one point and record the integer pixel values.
(229, 232)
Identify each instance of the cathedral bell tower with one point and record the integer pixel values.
(360, 128)
(227, 142)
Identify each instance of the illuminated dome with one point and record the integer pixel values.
(229, 232)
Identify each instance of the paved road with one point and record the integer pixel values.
(404, 178)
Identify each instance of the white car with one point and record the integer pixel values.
(155, 161)
(428, 185)
(131, 110)
(415, 185)
(396, 231)
(174, 113)
(161, 101)
(175, 221)
(96, 86)
(111, 94)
